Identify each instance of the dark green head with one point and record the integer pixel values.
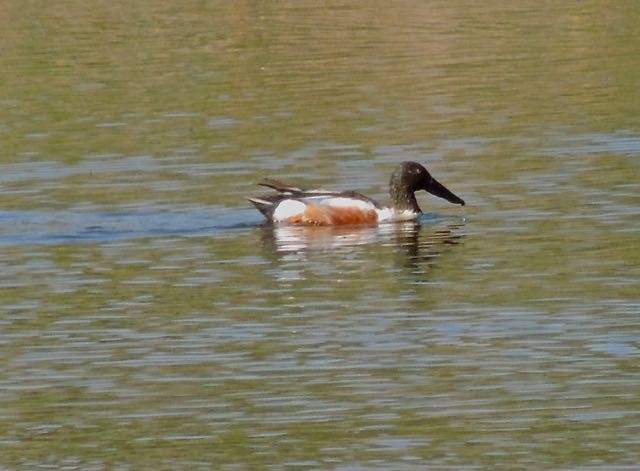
(410, 177)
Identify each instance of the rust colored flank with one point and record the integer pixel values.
(319, 215)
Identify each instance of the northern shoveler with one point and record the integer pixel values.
(292, 205)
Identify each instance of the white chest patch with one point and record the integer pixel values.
(390, 215)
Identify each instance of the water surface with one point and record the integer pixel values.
(149, 320)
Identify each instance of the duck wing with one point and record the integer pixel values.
(288, 190)
(267, 204)
(280, 187)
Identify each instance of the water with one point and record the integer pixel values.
(149, 320)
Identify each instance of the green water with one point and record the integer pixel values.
(148, 320)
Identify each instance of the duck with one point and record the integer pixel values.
(319, 207)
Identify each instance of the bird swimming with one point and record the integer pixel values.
(297, 206)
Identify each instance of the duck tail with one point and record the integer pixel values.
(263, 205)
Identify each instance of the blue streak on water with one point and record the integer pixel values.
(621, 142)
(53, 227)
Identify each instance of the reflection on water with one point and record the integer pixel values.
(404, 235)
(149, 321)
(424, 248)
(416, 245)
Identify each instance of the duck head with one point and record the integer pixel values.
(410, 177)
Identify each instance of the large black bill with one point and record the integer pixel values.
(438, 189)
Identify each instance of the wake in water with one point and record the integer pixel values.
(54, 227)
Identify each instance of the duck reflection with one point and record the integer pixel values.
(423, 245)
(414, 241)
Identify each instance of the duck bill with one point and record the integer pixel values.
(438, 189)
